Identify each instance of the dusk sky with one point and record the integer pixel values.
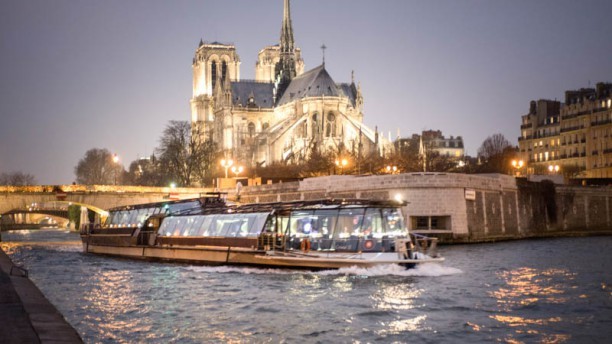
(76, 75)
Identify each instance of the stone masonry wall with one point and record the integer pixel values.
(501, 209)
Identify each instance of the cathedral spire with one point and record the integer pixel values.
(285, 68)
(287, 43)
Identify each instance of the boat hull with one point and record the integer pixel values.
(218, 255)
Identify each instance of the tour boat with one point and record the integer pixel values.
(321, 234)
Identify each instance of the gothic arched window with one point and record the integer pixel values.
(330, 128)
(213, 74)
(223, 69)
(315, 127)
(251, 128)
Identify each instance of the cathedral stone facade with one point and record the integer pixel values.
(282, 115)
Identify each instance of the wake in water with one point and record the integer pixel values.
(425, 270)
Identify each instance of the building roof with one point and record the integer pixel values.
(349, 90)
(314, 83)
(261, 92)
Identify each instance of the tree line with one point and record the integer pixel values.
(17, 179)
(183, 159)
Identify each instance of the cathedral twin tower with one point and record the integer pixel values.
(283, 114)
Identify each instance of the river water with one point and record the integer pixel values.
(546, 291)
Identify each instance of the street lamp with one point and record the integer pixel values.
(237, 170)
(392, 169)
(553, 168)
(116, 162)
(341, 163)
(226, 164)
(517, 164)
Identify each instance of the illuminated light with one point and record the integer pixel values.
(226, 164)
(237, 170)
(172, 185)
(398, 198)
(517, 163)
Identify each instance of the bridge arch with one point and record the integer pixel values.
(32, 213)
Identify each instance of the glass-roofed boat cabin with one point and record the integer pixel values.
(322, 225)
(325, 225)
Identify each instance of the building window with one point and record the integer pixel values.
(251, 129)
(223, 70)
(213, 74)
(422, 222)
(330, 128)
(430, 222)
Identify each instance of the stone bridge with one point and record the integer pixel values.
(33, 204)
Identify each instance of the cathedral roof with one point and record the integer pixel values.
(349, 90)
(314, 83)
(260, 92)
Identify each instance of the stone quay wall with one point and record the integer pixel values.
(464, 208)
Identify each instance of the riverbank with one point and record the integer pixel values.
(25, 313)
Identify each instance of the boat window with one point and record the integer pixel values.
(230, 224)
(194, 230)
(258, 224)
(372, 223)
(180, 223)
(183, 207)
(270, 225)
(326, 220)
(209, 226)
(189, 222)
(167, 226)
(349, 222)
(302, 223)
(125, 216)
(283, 224)
(114, 218)
(241, 228)
(141, 216)
(247, 223)
(394, 222)
(204, 225)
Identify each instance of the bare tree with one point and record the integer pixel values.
(495, 154)
(145, 171)
(98, 167)
(185, 158)
(493, 145)
(17, 179)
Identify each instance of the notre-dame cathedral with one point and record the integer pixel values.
(282, 115)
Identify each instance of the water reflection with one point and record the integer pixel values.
(109, 297)
(396, 297)
(405, 325)
(525, 288)
(399, 298)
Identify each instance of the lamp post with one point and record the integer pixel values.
(391, 169)
(226, 164)
(553, 168)
(236, 170)
(341, 163)
(518, 164)
(116, 162)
